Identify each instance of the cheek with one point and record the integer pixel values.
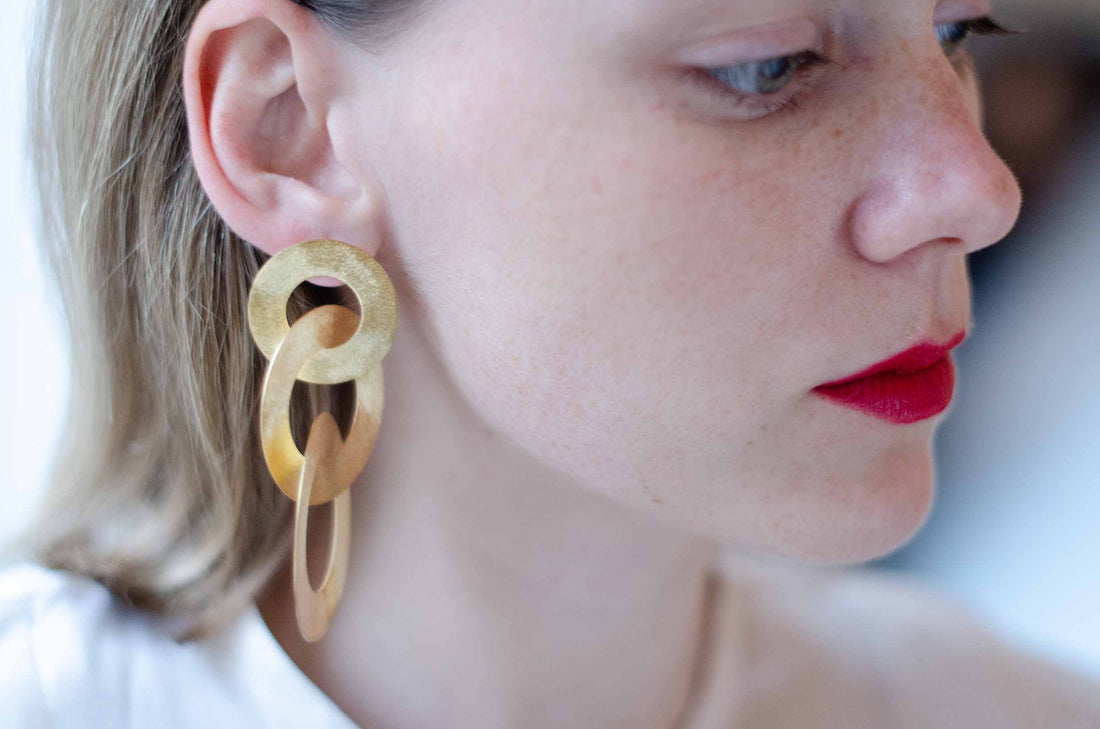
(637, 299)
(592, 278)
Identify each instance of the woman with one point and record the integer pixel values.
(639, 250)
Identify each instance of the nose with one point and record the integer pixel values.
(933, 177)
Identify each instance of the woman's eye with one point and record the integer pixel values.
(762, 77)
(952, 35)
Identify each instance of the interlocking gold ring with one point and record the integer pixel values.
(284, 271)
(327, 345)
(313, 332)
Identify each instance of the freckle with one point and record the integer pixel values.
(836, 133)
(797, 149)
(657, 500)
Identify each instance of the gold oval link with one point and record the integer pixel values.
(314, 608)
(315, 330)
(288, 268)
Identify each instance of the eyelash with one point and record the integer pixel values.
(785, 100)
(788, 98)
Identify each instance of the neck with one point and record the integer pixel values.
(485, 589)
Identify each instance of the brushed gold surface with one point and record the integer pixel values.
(284, 271)
(314, 608)
(339, 462)
(328, 345)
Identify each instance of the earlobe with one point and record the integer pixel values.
(256, 116)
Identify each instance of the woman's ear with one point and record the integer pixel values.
(258, 107)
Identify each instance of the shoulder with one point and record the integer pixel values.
(48, 621)
(72, 654)
(891, 649)
(21, 691)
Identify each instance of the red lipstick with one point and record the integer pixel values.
(914, 385)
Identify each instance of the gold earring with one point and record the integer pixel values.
(327, 345)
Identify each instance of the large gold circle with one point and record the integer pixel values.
(288, 268)
(337, 467)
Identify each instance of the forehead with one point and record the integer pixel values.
(710, 17)
(664, 25)
(587, 30)
(751, 11)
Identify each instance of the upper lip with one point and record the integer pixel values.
(917, 357)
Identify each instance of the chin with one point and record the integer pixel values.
(880, 515)
(837, 518)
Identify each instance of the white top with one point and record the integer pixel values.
(793, 646)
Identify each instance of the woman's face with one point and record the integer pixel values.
(640, 272)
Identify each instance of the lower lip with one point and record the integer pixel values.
(899, 398)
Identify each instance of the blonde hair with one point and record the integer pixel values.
(158, 489)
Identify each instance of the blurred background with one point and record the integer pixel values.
(1015, 529)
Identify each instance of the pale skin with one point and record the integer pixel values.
(625, 290)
